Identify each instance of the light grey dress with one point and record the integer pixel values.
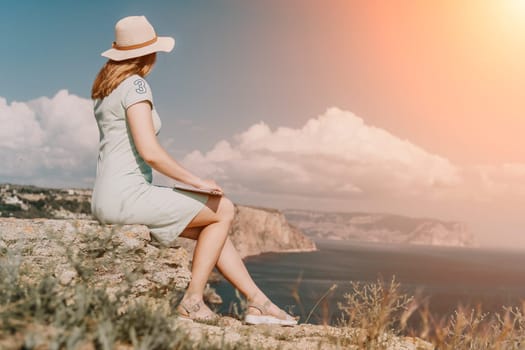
(123, 192)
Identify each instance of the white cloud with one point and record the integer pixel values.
(335, 161)
(334, 155)
(48, 140)
(507, 179)
(19, 126)
(53, 141)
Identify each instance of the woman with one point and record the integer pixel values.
(123, 193)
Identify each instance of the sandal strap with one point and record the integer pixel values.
(263, 308)
(191, 308)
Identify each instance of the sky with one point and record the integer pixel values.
(404, 107)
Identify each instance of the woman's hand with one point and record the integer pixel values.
(209, 185)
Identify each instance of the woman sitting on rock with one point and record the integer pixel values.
(123, 192)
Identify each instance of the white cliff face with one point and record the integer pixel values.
(436, 233)
(261, 230)
(256, 230)
(385, 228)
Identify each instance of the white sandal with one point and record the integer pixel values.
(266, 318)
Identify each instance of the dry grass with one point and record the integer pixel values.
(36, 311)
(382, 312)
(377, 310)
(474, 329)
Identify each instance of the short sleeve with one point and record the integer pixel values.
(137, 90)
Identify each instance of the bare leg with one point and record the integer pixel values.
(232, 267)
(217, 217)
(207, 250)
(234, 270)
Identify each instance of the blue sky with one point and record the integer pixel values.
(407, 107)
(230, 68)
(56, 45)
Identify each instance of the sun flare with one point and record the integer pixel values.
(517, 4)
(514, 9)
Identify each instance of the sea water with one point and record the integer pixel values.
(446, 276)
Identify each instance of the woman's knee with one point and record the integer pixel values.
(226, 209)
(216, 209)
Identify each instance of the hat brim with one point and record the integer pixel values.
(163, 43)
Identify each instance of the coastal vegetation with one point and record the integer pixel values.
(52, 296)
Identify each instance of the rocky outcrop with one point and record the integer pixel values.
(253, 231)
(86, 258)
(304, 336)
(257, 230)
(110, 254)
(384, 228)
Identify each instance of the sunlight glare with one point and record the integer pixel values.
(511, 19)
(514, 7)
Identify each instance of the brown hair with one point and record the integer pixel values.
(114, 72)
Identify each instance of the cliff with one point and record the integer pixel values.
(385, 228)
(80, 285)
(253, 231)
(257, 230)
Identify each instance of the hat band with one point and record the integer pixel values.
(136, 46)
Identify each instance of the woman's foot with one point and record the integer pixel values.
(266, 312)
(194, 308)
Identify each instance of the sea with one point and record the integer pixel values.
(445, 277)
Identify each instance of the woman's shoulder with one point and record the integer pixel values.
(135, 88)
(136, 82)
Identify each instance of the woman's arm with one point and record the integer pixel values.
(143, 132)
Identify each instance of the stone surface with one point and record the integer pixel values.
(117, 254)
(303, 336)
(120, 257)
(122, 252)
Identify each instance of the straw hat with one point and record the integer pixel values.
(134, 37)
